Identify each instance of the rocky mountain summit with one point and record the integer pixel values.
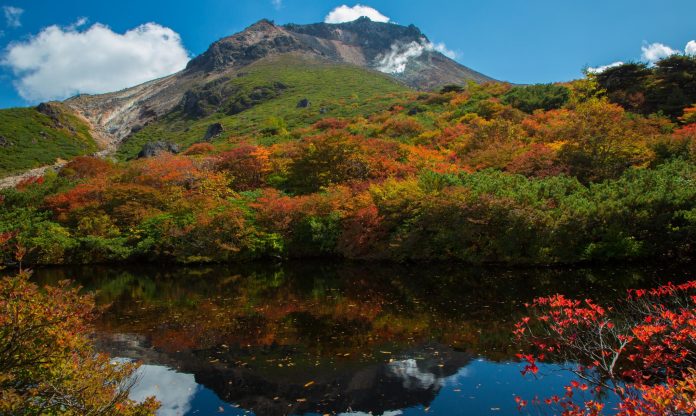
(402, 51)
(203, 87)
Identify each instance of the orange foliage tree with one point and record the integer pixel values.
(247, 166)
(47, 362)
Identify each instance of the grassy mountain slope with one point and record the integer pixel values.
(30, 138)
(262, 101)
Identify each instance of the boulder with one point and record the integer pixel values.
(214, 130)
(152, 149)
(4, 142)
(304, 103)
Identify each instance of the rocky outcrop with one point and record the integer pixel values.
(153, 149)
(214, 130)
(373, 38)
(256, 42)
(304, 103)
(225, 97)
(49, 109)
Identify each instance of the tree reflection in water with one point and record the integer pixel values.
(330, 338)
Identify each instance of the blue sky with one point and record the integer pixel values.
(523, 41)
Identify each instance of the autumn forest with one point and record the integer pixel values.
(594, 170)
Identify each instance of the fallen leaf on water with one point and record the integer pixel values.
(309, 384)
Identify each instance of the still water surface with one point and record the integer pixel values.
(320, 338)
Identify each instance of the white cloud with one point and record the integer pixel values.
(398, 57)
(656, 51)
(442, 48)
(61, 62)
(600, 69)
(344, 14)
(13, 16)
(173, 390)
(690, 48)
(81, 21)
(395, 61)
(413, 377)
(278, 4)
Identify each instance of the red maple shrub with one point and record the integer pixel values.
(641, 350)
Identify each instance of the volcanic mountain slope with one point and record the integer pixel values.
(266, 64)
(267, 78)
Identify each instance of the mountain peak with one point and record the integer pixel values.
(257, 41)
(262, 24)
(404, 52)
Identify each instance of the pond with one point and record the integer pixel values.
(334, 338)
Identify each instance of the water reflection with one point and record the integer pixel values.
(173, 389)
(317, 338)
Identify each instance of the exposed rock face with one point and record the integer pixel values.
(221, 96)
(153, 149)
(201, 89)
(367, 43)
(372, 38)
(256, 42)
(49, 109)
(52, 110)
(213, 131)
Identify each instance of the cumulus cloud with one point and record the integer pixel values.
(398, 57)
(412, 376)
(63, 61)
(13, 16)
(277, 4)
(600, 69)
(690, 48)
(344, 14)
(656, 51)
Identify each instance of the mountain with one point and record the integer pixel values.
(364, 43)
(265, 64)
(265, 78)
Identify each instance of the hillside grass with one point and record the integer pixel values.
(33, 139)
(340, 90)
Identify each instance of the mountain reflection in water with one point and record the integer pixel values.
(318, 338)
